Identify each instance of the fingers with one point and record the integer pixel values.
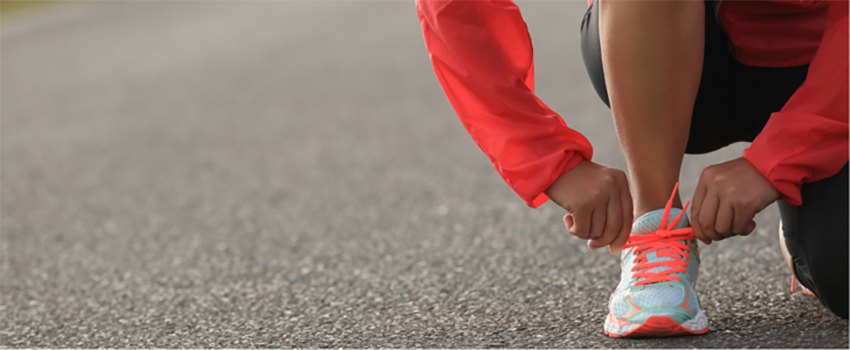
(626, 228)
(568, 221)
(581, 224)
(597, 221)
(708, 216)
(728, 197)
(699, 197)
(723, 221)
(598, 201)
(613, 223)
(750, 227)
(742, 223)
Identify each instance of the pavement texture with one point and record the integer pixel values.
(290, 174)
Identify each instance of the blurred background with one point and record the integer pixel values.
(290, 174)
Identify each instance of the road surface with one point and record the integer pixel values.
(290, 174)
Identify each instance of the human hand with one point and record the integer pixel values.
(599, 204)
(727, 198)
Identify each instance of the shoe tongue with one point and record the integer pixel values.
(651, 221)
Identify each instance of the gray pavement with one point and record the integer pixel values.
(290, 174)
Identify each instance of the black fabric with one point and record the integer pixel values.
(816, 234)
(591, 51)
(734, 101)
(733, 104)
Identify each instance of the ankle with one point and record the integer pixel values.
(647, 202)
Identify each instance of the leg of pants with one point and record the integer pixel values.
(816, 235)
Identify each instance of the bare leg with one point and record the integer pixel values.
(652, 52)
(785, 253)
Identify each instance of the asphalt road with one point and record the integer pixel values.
(290, 174)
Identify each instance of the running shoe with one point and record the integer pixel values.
(787, 257)
(656, 296)
(805, 290)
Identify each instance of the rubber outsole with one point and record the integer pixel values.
(658, 326)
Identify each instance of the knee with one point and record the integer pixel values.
(829, 279)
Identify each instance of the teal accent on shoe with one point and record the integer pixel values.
(674, 299)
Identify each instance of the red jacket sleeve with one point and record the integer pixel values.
(807, 140)
(482, 55)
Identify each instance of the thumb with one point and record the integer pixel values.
(568, 221)
(751, 226)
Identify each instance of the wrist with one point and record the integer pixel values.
(556, 188)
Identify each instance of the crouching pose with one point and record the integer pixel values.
(680, 77)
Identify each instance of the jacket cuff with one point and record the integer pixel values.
(796, 148)
(790, 191)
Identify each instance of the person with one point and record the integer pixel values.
(680, 77)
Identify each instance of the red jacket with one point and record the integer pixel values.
(482, 55)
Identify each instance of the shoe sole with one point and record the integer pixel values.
(655, 327)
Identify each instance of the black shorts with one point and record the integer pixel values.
(733, 104)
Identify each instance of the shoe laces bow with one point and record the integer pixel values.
(665, 243)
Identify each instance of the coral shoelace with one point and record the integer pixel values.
(794, 283)
(666, 243)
